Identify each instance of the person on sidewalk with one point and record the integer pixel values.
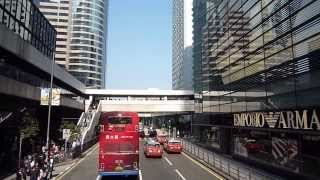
(42, 174)
(34, 173)
(21, 175)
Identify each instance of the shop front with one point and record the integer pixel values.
(212, 131)
(287, 142)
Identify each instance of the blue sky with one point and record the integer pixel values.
(139, 44)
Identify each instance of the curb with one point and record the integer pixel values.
(11, 177)
(66, 162)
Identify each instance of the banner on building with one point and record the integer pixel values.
(45, 92)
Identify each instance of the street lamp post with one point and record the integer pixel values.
(20, 144)
(169, 128)
(49, 105)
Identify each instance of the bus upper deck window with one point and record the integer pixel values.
(119, 120)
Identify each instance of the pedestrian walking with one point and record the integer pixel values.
(50, 168)
(21, 175)
(34, 173)
(42, 174)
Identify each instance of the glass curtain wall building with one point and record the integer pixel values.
(260, 82)
(182, 44)
(87, 58)
(199, 20)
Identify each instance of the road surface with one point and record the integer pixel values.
(169, 167)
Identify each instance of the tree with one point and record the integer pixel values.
(29, 126)
(74, 129)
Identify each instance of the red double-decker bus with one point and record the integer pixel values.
(119, 144)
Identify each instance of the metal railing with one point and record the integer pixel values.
(25, 19)
(229, 168)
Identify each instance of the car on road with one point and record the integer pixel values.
(162, 138)
(152, 149)
(173, 146)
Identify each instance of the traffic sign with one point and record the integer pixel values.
(66, 134)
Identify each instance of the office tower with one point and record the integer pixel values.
(199, 20)
(87, 60)
(259, 68)
(57, 12)
(81, 39)
(182, 45)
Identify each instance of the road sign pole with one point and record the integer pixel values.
(20, 144)
(65, 146)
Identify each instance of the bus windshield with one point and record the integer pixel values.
(119, 120)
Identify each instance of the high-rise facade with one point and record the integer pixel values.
(182, 44)
(58, 13)
(82, 35)
(87, 60)
(199, 21)
(258, 70)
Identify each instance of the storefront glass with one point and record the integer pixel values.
(208, 136)
(294, 152)
(310, 154)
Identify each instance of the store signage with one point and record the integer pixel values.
(306, 119)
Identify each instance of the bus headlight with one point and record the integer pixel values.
(101, 168)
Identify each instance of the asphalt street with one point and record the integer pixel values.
(169, 167)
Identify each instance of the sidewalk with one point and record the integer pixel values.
(57, 170)
(228, 168)
(62, 167)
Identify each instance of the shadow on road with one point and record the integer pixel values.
(120, 178)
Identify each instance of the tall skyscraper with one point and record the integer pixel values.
(259, 69)
(82, 36)
(182, 45)
(199, 21)
(87, 59)
(57, 12)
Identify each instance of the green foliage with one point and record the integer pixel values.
(29, 126)
(74, 129)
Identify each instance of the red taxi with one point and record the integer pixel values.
(173, 146)
(152, 149)
(162, 138)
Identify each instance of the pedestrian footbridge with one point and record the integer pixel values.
(144, 101)
(150, 102)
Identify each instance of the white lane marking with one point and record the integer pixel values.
(140, 175)
(70, 169)
(98, 177)
(203, 167)
(178, 172)
(169, 162)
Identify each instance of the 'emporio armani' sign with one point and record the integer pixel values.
(306, 119)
